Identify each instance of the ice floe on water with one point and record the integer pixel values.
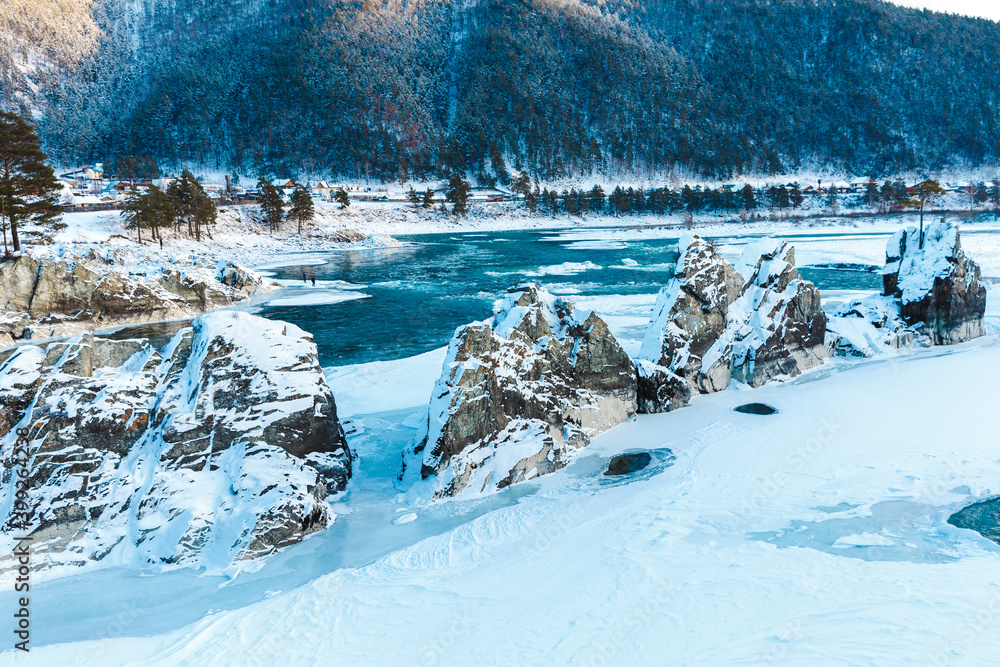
(597, 245)
(317, 298)
(564, 269)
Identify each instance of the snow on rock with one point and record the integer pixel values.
(714, 323)
(223, 446)
(659, 390)
(62, 290)
(934, 295)
(940, 290)
(519, 394)
(869, 327)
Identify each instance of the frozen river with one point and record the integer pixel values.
(381, 318)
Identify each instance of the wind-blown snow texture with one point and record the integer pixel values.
(222, 447)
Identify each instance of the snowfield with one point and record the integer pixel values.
(814, 536)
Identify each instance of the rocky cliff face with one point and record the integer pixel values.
(61, 292)
(223, 446)
(934, 295)
(519, 394)
(940, 290)
(714, 322)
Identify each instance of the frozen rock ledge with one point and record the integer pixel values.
(221, 447)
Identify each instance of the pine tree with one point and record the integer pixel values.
(531, 200)
(342, 198)
(596, 197)
(871, 193)
(137, 213)
(428, 198)
(302, 206)
(271, 204)
(28, 186)
(205, 213)
(192, 204)
(795, 197)
(831, 198)
(413, 197)
(923, 193)
(458, 194)
(164, 213)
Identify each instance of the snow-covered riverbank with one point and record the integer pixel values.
(240, 237)
(755, 539)
(237, 236)
(768, 539)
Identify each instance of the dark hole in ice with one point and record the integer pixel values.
(626, 464)
(755, 409)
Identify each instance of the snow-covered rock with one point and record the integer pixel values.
(519, 394)
(659, 389)
(714, 323)
(940, 290)
(870, 327)
(934, 295)
(61, 291)
(223, 446)
(692, 310)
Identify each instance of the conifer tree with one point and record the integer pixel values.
(192, 204)
(302, 207)
(413, 197)
(342, 198)
(28, 186)
(597, 197)
(923, 193)
(271, 204)
(795, 197)
(458, 194)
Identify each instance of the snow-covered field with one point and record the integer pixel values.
(814, 536)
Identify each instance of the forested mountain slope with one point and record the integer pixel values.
(414, 88)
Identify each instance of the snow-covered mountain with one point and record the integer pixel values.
(414, 88)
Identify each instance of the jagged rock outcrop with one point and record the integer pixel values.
(519, 394)
(869, 327)
(223, 446)
(933, 295)
(940, 290)
(713, 322)
(61, 292)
